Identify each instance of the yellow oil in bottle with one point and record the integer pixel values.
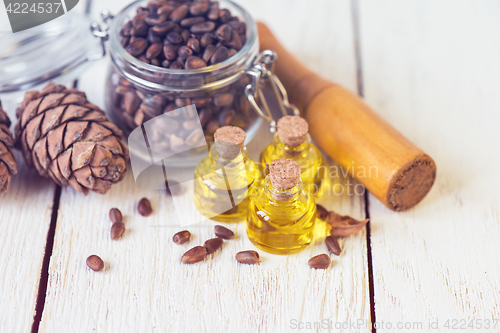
(222, 186)
(307, 155)
(281, 222)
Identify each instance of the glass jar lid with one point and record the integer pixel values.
(43, 53)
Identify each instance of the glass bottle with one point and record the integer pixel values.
(225, 178)
(281, 215)
(292, 141)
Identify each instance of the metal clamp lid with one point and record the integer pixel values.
(262, 72)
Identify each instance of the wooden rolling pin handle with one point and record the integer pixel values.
(392, 168)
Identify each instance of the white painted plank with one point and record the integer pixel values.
(25, 212)
(145, 288)
(431, 68)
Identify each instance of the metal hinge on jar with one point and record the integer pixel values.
(262, 72)
(101, 32)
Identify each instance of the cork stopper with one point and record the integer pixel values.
(292, 130)
(284, 174)
(229, 141)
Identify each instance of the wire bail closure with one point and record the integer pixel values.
(262, 72)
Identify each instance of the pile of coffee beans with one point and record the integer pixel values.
(183, 34)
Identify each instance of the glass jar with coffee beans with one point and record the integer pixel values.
(168, 54)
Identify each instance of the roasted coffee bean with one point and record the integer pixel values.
(144, 207)
(179, 13)
(181, 237)
(139, 18)
(223, 232)
(248, 257)
(224, 33)
(235, 42)
(193, 62)
(196, 254)
(321, 261)
(184, 52)
(154, 19)
(155, 62)
(188, 22)
(140, 30)
(174, 38)
(165, 10)
(204, 116)
(225, 15)
(163, 28)
(124, 41)
(185, 34)
(219, 55)
(176, 65)
(180, 60)
(212, 126)
(231, 53)
(154, 50)
(333, 245)
(239, 27)
(203, 27)
(115, 215)
(221, 100)
(226, 116)
(212, 245)
(209, 52)
(213, 14)
(117, 230)
(153, 38)
(137, 47)
(170, 51)
(199, 8)
(321, 212)
(126, 29)
(166, 63)
(95, 263)
(194, 44)
(206, 39)
(152, 6)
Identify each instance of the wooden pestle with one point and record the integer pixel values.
(392, 168)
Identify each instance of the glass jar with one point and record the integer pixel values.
(57, 51)
(137, 92)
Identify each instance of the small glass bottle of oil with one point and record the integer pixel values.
(281, 215)
(292, 141)
(224, 179)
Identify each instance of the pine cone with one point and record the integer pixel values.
(8, 165)
(70, 140)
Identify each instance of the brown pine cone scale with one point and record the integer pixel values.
(70, 140)
(8, 165)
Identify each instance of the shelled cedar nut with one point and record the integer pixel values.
(333, 245)
(212, 245)
(321, 212)
(196, 254)
(144, 207)
(115, 215)
(321, 261)
(181, 237)
(95, 263)
(117, 230)
(248, 257)
(223, 232)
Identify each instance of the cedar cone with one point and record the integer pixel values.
(8, 165)
(70, 140)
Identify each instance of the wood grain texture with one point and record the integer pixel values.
(145, 288)
(431, 68)
(25, 212)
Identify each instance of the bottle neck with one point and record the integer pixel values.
(220, 162)
(285, 150)
(274, 194)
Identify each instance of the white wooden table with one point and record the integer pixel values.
(430, 67)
